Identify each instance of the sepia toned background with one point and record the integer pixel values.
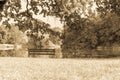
(59, 39)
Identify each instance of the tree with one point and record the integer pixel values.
(24, 19)
(108, 30)
(14, 37)
(105, 6)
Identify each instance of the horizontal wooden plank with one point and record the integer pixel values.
(41, 50)
(41, 53)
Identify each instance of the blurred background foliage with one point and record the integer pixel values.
(88, 24)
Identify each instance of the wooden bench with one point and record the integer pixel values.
(41, 52)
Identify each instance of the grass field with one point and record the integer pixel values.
(59, 69)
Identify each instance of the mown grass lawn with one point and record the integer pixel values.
(59, 69)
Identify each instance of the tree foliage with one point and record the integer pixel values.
(105, 6)
(25, 21)
(91, 32)
(83, 29)
(10, 36)
(40, 35)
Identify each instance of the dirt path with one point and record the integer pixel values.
(58, 69)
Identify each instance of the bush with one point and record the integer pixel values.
(15, 37)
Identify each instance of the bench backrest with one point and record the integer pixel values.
(41, 51)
